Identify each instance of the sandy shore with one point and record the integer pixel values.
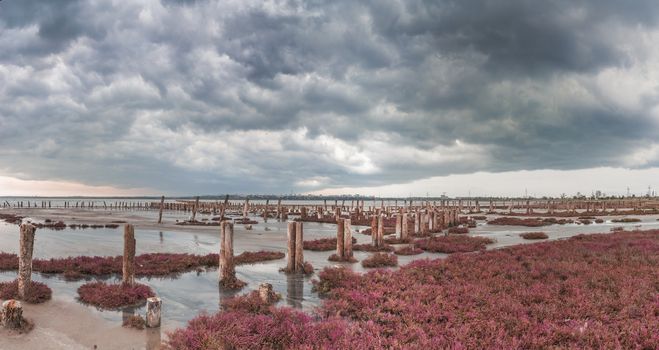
(65, 325)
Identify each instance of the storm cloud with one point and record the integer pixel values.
(278, 96)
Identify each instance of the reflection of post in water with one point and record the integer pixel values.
(153, 339)
(196, 240)
(294, 290)
(161, 238)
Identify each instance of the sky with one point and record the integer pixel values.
(381, 97)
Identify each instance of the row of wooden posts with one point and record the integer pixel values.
(11, 315)
(463, 205)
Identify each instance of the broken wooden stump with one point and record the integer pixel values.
(153, 312)
(12, 315)
(267, 294)
(128, 269)
(343, 241)
(299, 247)
(374, 230)
(404, 227)
(246, 208)
(227, 265)
(290, 266)
(347, 239)
(25, 259)
(162, 205)
(194, 209)
(295, 246)
(379, 239)
(339, 238)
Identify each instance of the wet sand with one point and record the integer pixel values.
(63, 323)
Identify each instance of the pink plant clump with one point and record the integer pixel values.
(254, 257)
(458, 230)
(518, 222)
(386, 231)
(8, 262)
(380, 260)
(114, 296)
(534, 235)
(396, 240)
(626, 220)
(453, 244)
(367, 247)
(135, 322)
(37, 292)
(250, 302)
(322, 244)
(11, 218)
(587, 292)
(336, 258)
(408, 250)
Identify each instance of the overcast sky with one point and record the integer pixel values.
(381, 97)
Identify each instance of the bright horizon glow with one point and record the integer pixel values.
(11, 186)
(536, 183)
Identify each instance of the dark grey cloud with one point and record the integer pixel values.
(205, 96)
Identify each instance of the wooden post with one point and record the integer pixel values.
(195, 208)
(129, 256)
(245, 208)
(162, 205)
(224, 207)
(227, 267)
(340, 243)
(25, 259)
(374, 230)
(153, 312)
(380, 236)
(404, 229)
(12, 314)
(398, 224)
(347, 239)
(290, 266)
(299, 247)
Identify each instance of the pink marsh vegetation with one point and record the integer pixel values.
(453, 244)
(149, 265)
(534, 235)
(408, 250)
(114, 296)
(587, 292)
(380, 260)
(323, 244)
(37, 292)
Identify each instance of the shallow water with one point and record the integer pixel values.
(190, 293)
